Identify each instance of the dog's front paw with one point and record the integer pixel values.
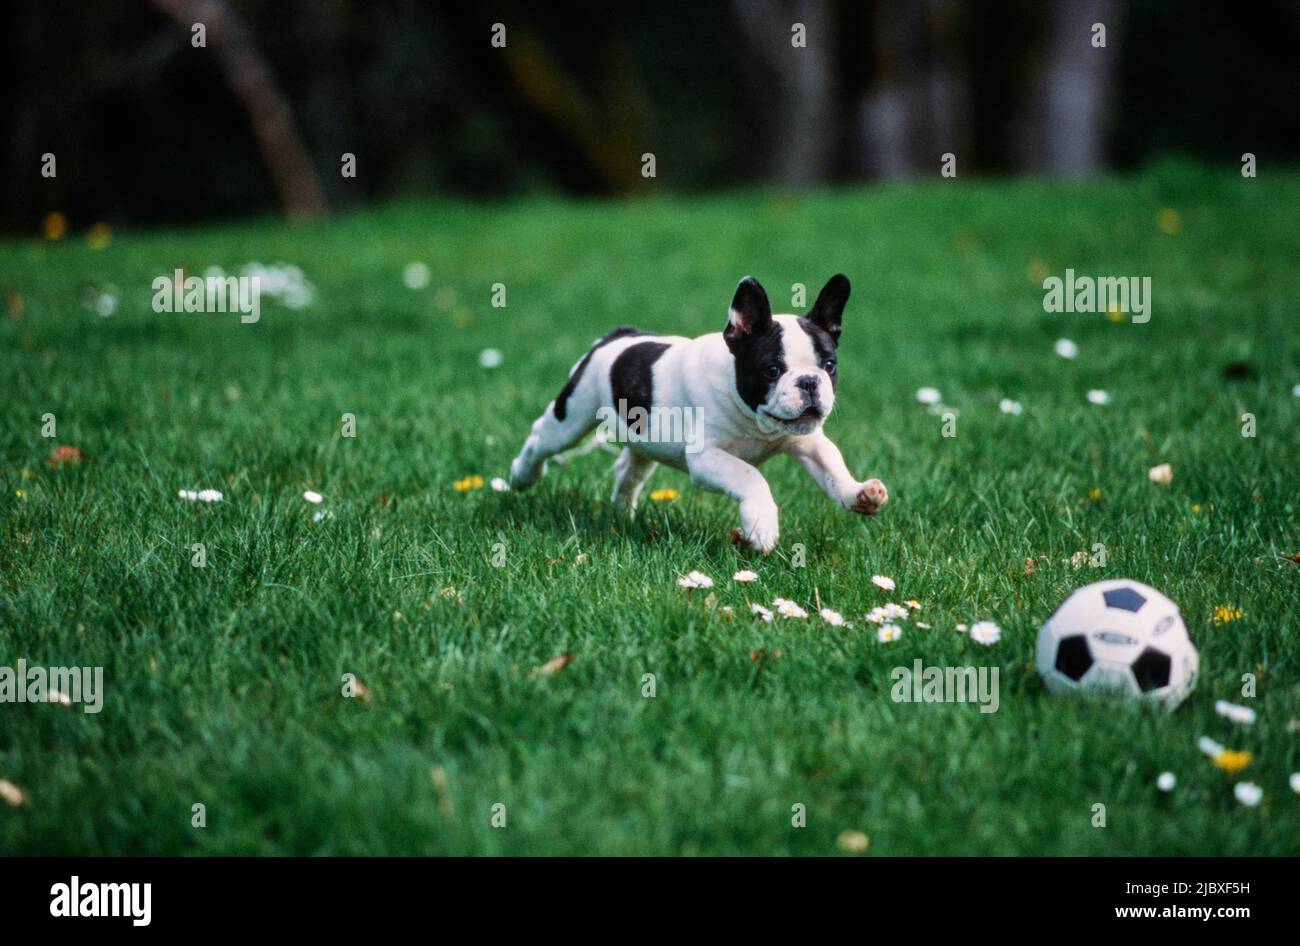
(760, 525)
(870, 496)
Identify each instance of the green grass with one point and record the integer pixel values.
(223, 682)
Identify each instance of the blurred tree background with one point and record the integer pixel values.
(146, 128)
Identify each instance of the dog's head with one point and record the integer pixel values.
(785, 364)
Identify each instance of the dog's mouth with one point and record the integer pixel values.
(811, 415)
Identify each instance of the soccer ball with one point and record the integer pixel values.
(1118, 638)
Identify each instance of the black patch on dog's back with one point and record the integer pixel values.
(631, 378)
(753, 354)
(562, 400)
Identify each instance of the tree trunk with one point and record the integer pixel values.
(250, 77)
(801, 139)
(1076, 81)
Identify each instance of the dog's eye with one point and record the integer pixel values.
(772, 372)
(829, 365)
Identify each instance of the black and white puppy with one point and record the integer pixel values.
(715, 407)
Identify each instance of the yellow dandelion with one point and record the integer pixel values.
(1224, 614)
(1233, 760)
(1096, 495)
(1169, 221)
(54, 226)
(665, 495)
(20, 493)
(468, 483)
(99, 236)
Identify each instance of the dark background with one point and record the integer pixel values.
(148, 129)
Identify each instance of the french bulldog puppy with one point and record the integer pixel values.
(714, 407)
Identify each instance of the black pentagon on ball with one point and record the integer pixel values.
(1152, 669)
(1127, 598)
(1073, 657)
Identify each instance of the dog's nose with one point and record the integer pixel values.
(808, 384)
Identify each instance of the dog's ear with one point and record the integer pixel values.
(751, 313)
(828, 311)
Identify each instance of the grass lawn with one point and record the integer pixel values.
(223, 682)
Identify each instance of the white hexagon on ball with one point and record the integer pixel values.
(1118, 638)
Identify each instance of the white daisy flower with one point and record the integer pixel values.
(1166, 782)
(500, 485)
(986, 633)
(895, 611)
(1295, 782)
(105, 303)
(1008, 406)
(203, 495)
(922, 625)
(744, 576)
(1238, 714)
(283, 282)
(415, 275)
(1209, 746)
(298, 296)
(1066, 348)
(1162, 474)
(876, 615)
(1248, 793)
(1296, 390)
(882, 581)
(1096, 396)
(834, 618)
(695, 580)
(928, 395)
(490, 358)
(12, 794)
(761, 611)
(961, 628)
(889, 633)
(913, 604)
(789, 609)
(313, 497)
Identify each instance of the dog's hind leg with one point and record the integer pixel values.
(631, 470)
(550, 436)
(566, 420)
